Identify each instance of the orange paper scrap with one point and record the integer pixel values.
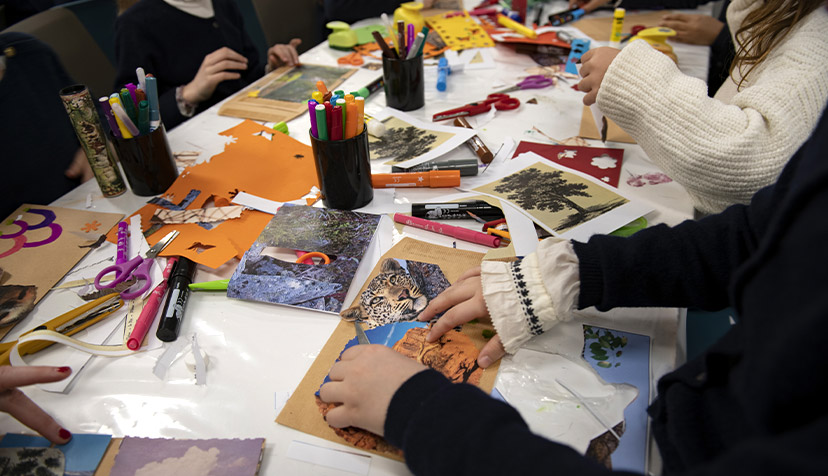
(271, 166)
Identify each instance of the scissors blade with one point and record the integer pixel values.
(158, 247)
(361, 337)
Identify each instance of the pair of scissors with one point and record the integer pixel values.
(501, 102)
(535, 81)
(352, 59)
(137, 267)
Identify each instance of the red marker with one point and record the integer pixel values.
(142, 325)
(454, 231)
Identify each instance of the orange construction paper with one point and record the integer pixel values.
(280, 169)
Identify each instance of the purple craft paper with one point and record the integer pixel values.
(146, 456)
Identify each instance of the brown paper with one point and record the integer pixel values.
(43, 265)
(301, 411)
(589, 130)
(599, 29)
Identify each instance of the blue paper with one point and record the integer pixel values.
(83, 452)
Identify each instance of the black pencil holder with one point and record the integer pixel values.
(147, 162)
(404, 83)
(344, 171)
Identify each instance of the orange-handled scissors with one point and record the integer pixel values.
(138, 267)
(501, 102)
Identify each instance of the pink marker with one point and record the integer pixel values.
(142, 325)
(454, 231)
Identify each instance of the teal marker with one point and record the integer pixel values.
(220, 285)
(321, 123)
(143, 117)
(152, 98)
(129, 106)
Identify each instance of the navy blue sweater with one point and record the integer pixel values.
(171, 44)
(752, 404)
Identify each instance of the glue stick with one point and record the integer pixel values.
(617, 26)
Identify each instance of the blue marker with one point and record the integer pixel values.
(443, 70)
(152, 98)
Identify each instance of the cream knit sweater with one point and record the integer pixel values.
(722, 149)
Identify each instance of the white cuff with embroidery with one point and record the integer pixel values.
(527, 297)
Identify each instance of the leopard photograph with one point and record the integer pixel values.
(400, 292)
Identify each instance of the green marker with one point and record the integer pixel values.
(143, 117)
(321, 123)
(220, 285)
(128, 105)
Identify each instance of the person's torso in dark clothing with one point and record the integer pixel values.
(37, 139)
(171, 45)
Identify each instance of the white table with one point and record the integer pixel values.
(259, 352)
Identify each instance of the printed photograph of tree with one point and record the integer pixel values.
(403, 141)
(559, 199)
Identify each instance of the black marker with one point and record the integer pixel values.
(455, 211)
(467, 167)
(179, 286)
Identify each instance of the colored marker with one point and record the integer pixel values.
(515, 26)
(386, 50)
(328, 115)
(150, 309)
(351, 120)
(455, 211)
(415, 48)
(119, 119)
(143, 118)
(152, 97)
(336, 123)
(344, 105)
(176, 303)
(110, 118)
(454, 231)
(430, 178)
(443, 70)
(281, 127)
(467, 167)
(142, 77)
(128, 105)
(321, 122)
(318, 97)
(360, 114)
(409, 42)
(132, 92)
(219, 285)
(312, 113)
(475, 143)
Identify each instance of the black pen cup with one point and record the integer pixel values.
(147, 162)
(404, 83)
(344, 171)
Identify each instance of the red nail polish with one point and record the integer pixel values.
(64, 434)
(64, 370)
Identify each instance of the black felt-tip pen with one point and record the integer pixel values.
(179, 287)
(455, 211)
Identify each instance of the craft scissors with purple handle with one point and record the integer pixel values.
(535, 81)
(137, 267)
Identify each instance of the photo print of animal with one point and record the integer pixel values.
(563, 201)
(400, 291)
(344, 236)
(454, 355)
(408, 141)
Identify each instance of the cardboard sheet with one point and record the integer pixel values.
(271, 166)
(589, 129)
(460, 32)
(35, 235)
(301, 411)
(283, 94)
(599, 28)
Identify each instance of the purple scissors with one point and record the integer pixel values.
(535, 81)
(137, 267)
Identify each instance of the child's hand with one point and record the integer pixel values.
(363, 381)
(218, 66)
(17, 404)
(693, 29)
(594, 65)
(463, 301)
(283, 55)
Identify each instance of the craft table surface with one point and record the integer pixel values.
(259, 352)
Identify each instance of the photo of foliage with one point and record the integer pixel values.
(297, 84)
(398, 293)
(342, 235)
(404, 141)
(561, 200)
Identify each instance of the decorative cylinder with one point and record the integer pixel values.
(81, 109)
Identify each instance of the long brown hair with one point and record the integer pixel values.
(764, 28)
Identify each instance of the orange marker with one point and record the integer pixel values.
(320, 86)
(360, 114)
(432, 179)
(350, 119)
